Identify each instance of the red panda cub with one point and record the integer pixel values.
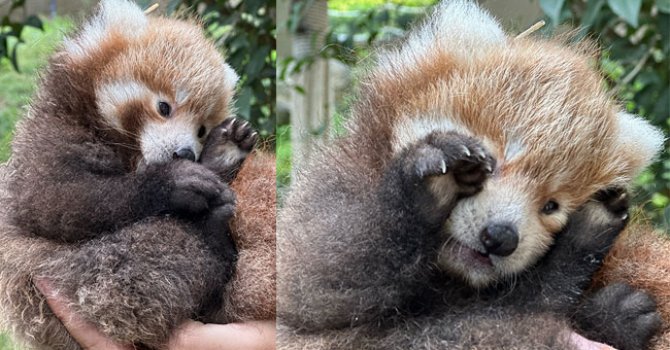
(476, 192)
(119, 192)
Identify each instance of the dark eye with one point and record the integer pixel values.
(202, 131)
(550, 207)
(164, 109)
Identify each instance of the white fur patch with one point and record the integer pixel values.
(111, 96)
(514, 149)
(121, 16)
(181, 96)
(496, 203)
(411, 130)
(160, 139)
(636, 134)
(459, 27)
(230, 77)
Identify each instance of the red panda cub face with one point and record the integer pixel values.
(538, 106)
(159, 82)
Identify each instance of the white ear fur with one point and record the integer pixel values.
(463, 25)
(230, 78)
(459, 27)
(637, 136)
(122, 16)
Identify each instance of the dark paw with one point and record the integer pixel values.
(216, 228)
(228, 144)
(196, 189)
(595, 226)
(241, 133)
(583, 244)
(620, 316)
(615, 200)
(450, 153)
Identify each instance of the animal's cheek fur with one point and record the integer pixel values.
(553, 222)
(534, 241)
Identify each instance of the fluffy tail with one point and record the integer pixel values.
(251, 294)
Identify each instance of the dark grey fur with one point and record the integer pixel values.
(357, 257)
(137, 251)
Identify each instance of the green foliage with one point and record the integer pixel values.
(283, 155)
(349, 5)
(635, 36)
(629, 10)
(246, 30)
(17, 87)
(354, 27)
(552, 8)
(12, 29)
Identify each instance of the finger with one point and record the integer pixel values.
(255, 335)
(84, 333)
(249, 143)
(229, 123)
(242, 131)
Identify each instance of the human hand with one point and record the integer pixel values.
(83, 332)
(253, 335)
(581, 343)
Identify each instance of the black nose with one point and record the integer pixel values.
(500, 239)
(184, 153)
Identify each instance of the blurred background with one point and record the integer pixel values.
(244, 30)
(320, 42)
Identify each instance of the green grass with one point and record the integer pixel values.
(16, 88)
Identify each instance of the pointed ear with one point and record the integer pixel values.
(119, 16)
(639, 140)
(459, 27)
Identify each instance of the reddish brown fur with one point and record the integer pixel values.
(65, 120)
(470, 92)
(538, 105)
(641, 258)
(253, 288)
